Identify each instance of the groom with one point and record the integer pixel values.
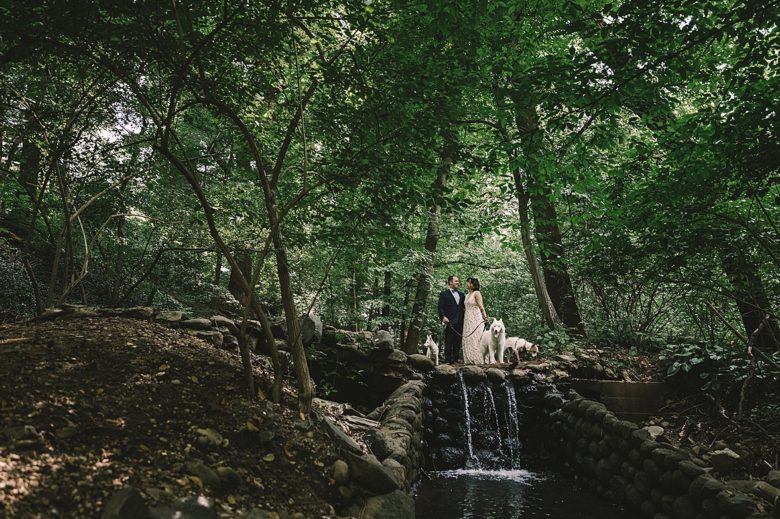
(451, 308)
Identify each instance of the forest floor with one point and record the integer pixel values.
(88, 406)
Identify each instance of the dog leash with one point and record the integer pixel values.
(472, 331)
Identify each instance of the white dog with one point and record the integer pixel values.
(432, 350)
(517, 344)
(493, 342)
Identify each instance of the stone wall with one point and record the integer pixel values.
(377, 484)
(619, 460)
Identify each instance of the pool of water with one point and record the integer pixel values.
(508, 494)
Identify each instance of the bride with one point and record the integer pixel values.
(473, 323)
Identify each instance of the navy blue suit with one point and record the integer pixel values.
(453, 332)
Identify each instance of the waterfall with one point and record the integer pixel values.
(490, 404)
(513, 427)
(468, 416)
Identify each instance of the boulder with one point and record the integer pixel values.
(472, 373)
(395, 505)
(369, 473)
(723, 460)
(340, 472)
(126, 504)
(384, 341)
(495, 375)
(654, 430)
(206, 474)
(773, 478)
(445, 371)
(170, 316)
(196, 324)
(420, 362)
(220, 321)
(311, 329)
(212, 337)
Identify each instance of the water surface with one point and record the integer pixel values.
(508, 494)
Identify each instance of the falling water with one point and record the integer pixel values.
(468, 416)
(491, 406)
(513, 427)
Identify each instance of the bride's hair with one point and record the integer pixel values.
(474, 282)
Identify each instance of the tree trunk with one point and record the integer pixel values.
(556, 275)
(235, 286)
(548, 233)
(218, 268)
(431, 241)
(549, 315)
(751, 299)
(305, 383)
(386, 292)
(372, 311)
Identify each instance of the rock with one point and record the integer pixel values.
(705, 486)
(311, 329)
(213, 337)
(397, 469)
(126, 504)
(220, 321)
(384, 341)
(655, 431)
(196, 324)
(206, 474)
(229, 342)
(495, 375)
(368, 472)
(257, 513)
(769, 492)
(395, 356)
(395, 505)
(566, 358)
(445, 371)
(346, 443)
(773, 478)
(170, 316)
(209, 437)
(228, 477)
(684, 508)
(735, 504)
(520, 375)
(689, 468)
(340, 472)
(472, 373)
(723, 460)
(420, 362)
(559, 375)
(193, 507)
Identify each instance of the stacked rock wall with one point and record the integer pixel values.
(619, 460)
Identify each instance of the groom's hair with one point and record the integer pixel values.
(449, 279)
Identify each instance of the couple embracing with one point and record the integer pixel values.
(463, 317)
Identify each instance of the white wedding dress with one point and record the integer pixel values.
(473, 326)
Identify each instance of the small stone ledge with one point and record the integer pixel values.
(620, 460)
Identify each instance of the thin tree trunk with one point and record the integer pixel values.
(431, 241)
(218, 268)
(386, 292)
